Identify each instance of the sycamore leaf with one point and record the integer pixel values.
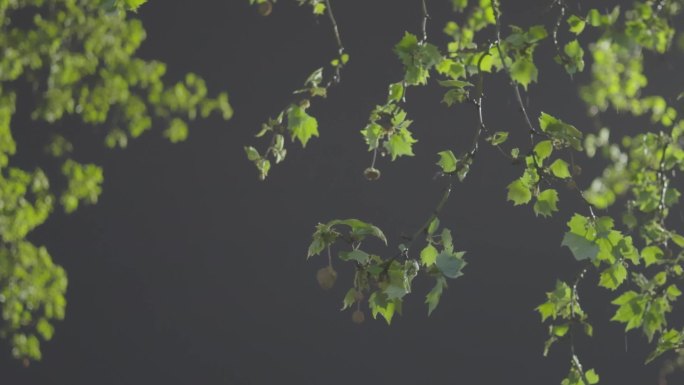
(360, 229)
(349, 299)
(301, 125)
(432, 298)
(580, 247)
(450, 264)
(613, 276)
(400, 144)
(576, 24)
(396, 92)
(380, 304)
(428, 255)
(133, 5)
(651, 254)
(561, 131)
(560, 169)
(355, 255)
(447, 161)
(546, 203)
(252, 153)
(543, 150)
(519, 192)
(524, 72)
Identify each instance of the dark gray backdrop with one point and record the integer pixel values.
(190, 271)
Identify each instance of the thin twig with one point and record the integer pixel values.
(574, 301)
(336, 30)
(556, 27)
(340, 47)
(435, 213)
(426, 16)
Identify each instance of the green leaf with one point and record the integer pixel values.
(573, 60)
(434, 225)
(433, 297)
(349, 299)
(576, 24)
(450, 68)
(630, 309)
(301, 125)
(177, 131)
(447, 241)
(400, 144)
(355, 255)
(580, 247)
(613, 276)
(84, 185)
(546, 203)
(561, 131)
(406, 46)
(670, 340)
(428, 255)
(417, 58)
(399, 283)
(380, 304)
(592, 377)
(447, 161)
(319, 8)
(677, 239)
(524, 72)
(543, 150)
(315, 79)
(498, 138)
(372, 134)
(651, 254)
(450, 264)
(454, 83)
(519, 192)
(454, 96)
(360, 229)
(133, 5)
(560, 169)
(252, 153)
(322, 237)
(396, 92)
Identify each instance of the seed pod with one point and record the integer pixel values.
(576, 170)
(265, 8)
(358, 317)
(326, 277)
(371, 173)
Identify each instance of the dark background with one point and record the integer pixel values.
(191, 271)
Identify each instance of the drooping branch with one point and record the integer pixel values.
(516, 89)
(294, 120)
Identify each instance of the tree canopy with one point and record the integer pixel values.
(75, 61)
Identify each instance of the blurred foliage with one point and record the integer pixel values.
(77, 60)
